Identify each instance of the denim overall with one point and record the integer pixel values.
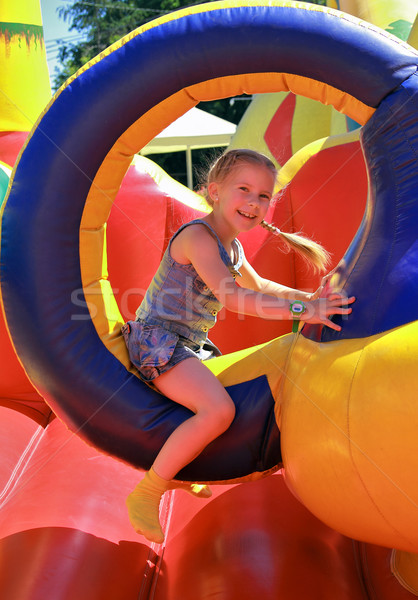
(176, 313)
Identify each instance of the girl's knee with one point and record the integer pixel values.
(230, 411)
(224, 412)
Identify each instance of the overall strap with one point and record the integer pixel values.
(222, 251)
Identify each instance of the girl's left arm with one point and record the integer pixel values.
(253, 281)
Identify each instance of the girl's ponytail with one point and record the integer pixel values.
(314, 254)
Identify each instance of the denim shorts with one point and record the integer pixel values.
(153, 350)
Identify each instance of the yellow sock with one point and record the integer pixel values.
(144, 503)
(144, 506)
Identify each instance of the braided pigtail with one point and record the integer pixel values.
(314, 254)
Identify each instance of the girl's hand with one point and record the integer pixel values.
(318, 311)
(323, 285)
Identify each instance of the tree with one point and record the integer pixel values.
(103, 22)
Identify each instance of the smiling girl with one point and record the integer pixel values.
(198, 275)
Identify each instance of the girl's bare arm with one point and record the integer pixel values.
(202, 250)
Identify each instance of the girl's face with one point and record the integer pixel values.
(243, 198)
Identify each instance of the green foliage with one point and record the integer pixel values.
(103, 22)
(400, 29)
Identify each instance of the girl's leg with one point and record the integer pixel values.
(191, 384)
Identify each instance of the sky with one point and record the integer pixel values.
(54, 30)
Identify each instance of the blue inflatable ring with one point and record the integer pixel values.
(40, 264)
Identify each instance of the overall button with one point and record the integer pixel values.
(214, 312)
(205, 289)
(205, 328)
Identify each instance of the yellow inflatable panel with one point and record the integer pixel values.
(333, 395)
(413, 34)
(322, 120)
(24, 77)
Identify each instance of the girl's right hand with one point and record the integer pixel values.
(323, 287)
(319, 310)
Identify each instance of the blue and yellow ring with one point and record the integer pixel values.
(60, 310)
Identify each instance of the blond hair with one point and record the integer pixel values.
(314, 254)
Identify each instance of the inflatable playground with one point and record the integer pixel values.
(315, 486)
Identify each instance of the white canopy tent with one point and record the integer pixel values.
(195, 129)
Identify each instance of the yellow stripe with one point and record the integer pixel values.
(197, 9)
(352, 404)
